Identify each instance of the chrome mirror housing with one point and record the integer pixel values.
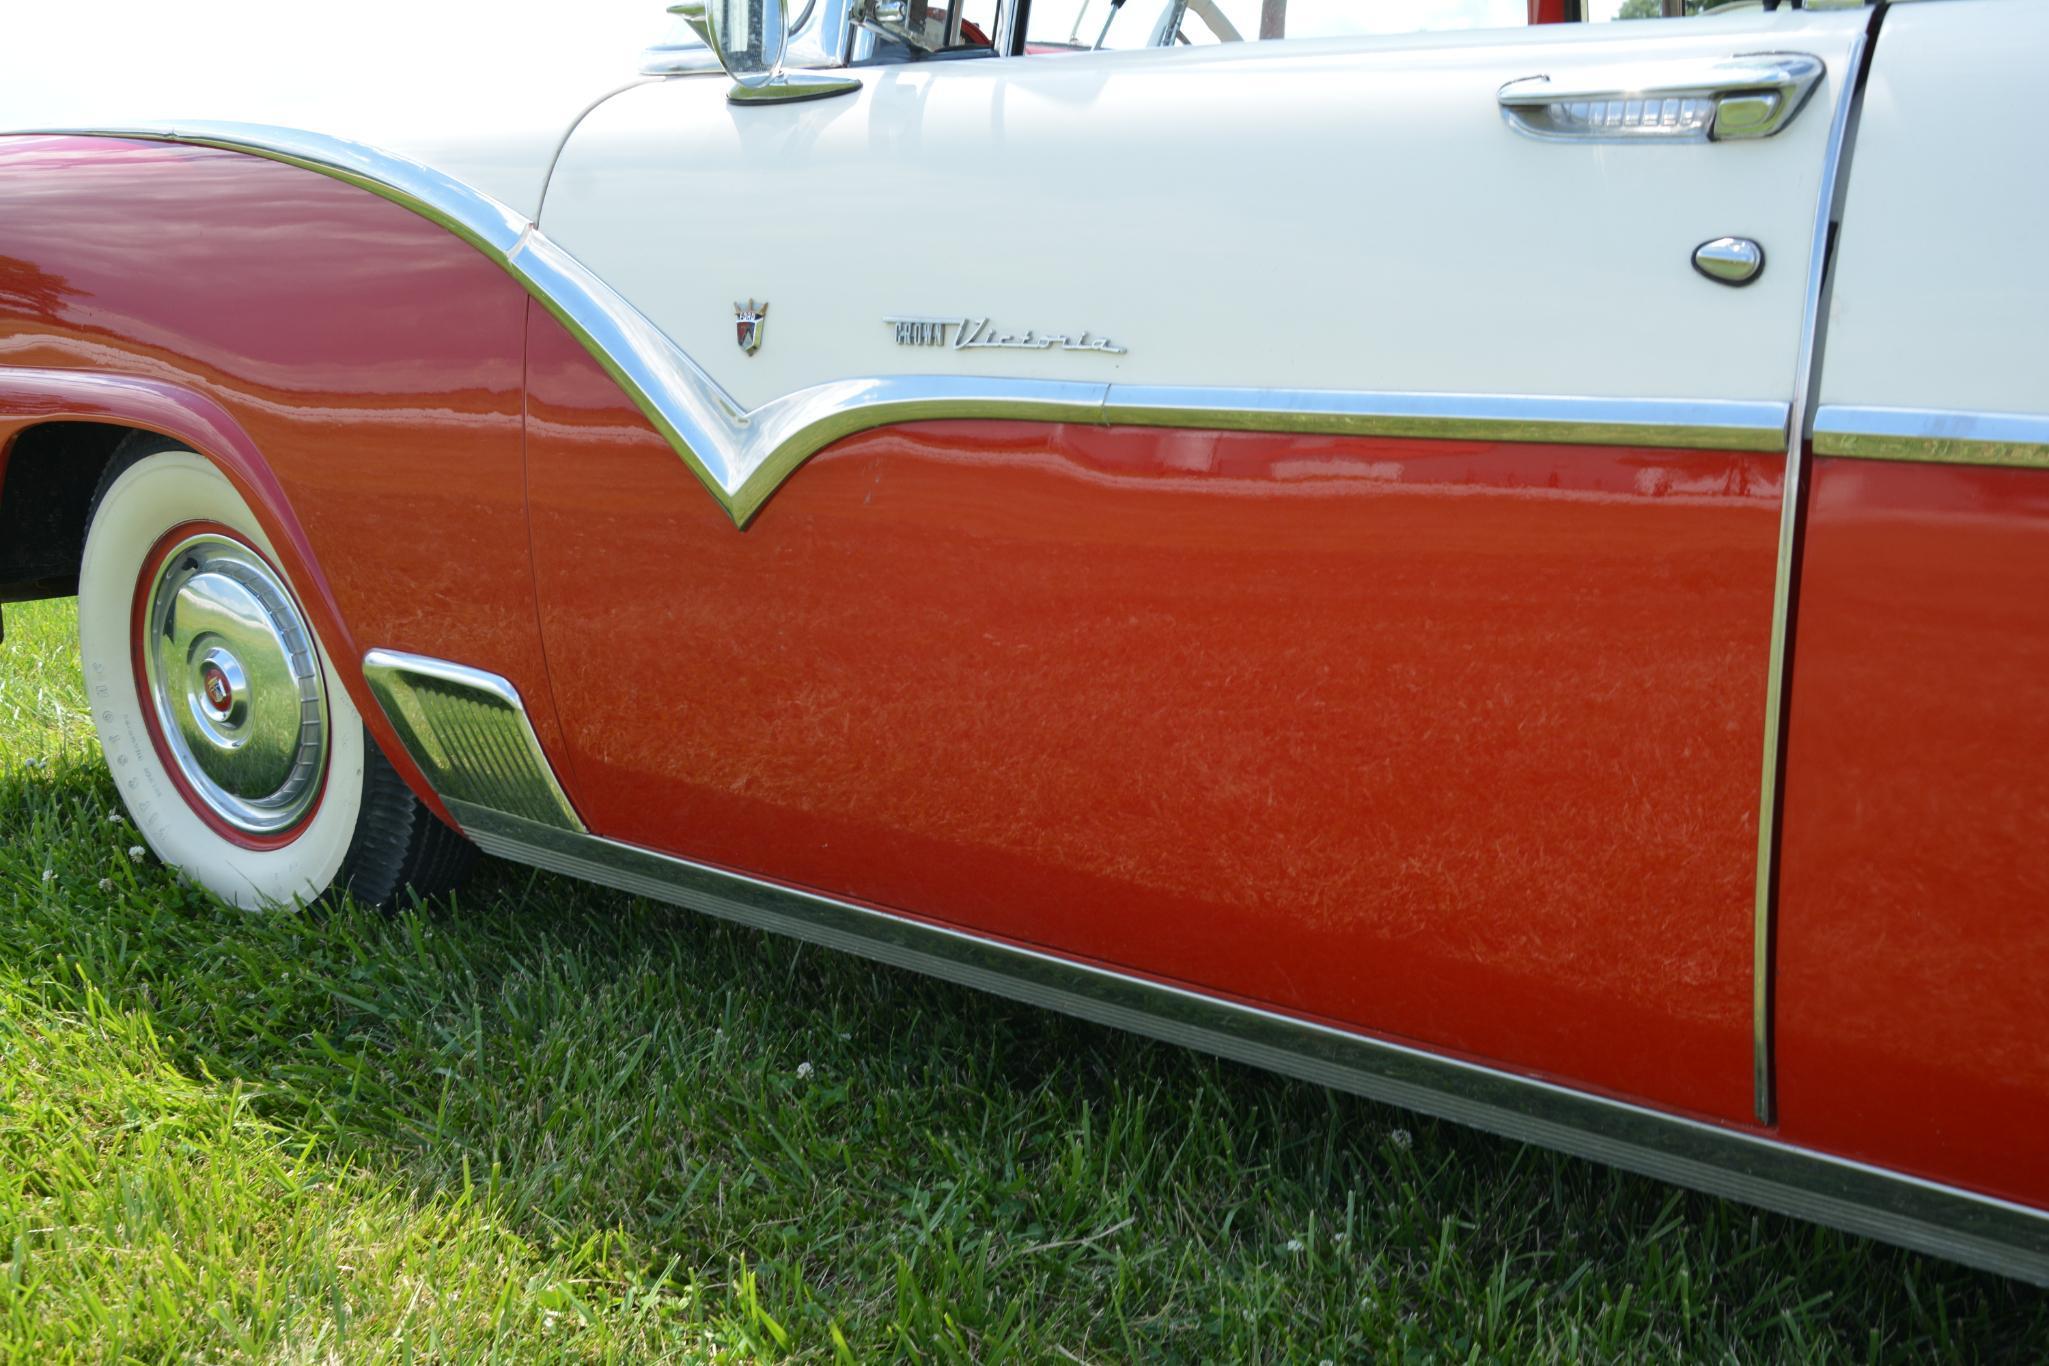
(750, 38)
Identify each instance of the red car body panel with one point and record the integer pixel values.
(1454, 741)
(392, 483)
(1913, 945)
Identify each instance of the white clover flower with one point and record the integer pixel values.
(49, 874)
(1294, 1244)
(116, 818)
(106, 884)
(135, 853)
(804, 1070)
(1401, 1138)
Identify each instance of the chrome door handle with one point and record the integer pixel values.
(1751, 96)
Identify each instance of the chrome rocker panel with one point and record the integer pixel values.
(1994, 1234)
(741, 456)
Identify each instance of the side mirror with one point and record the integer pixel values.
(750, 38)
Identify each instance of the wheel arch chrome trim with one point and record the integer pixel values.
(741, 456)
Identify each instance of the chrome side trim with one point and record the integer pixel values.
(1994, 1234)
(1933, 435)
(1828, 208)
(741, 457)
(469, 733)
(1706, 423)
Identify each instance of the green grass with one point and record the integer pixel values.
(546, 1121)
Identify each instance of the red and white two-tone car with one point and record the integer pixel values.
(1505, 570)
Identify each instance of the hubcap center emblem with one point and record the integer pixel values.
(220, 694)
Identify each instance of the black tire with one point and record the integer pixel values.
(401, 847)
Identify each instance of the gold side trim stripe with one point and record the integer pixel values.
(1933, 435)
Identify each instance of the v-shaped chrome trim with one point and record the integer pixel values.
(741, 456)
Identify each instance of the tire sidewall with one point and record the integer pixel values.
(148, 498)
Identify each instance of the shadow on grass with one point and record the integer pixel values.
(838, 1144)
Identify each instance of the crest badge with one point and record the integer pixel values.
(750, 319)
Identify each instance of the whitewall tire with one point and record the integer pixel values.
(237, 752)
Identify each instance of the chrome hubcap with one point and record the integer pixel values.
(236, 684)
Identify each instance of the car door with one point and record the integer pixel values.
(1271, 518)
(1913, 945)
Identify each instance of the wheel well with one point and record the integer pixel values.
(45, 498)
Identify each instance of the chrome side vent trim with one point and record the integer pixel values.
(469, 733)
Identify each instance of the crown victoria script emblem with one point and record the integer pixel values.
(980, 334)
(750, 319)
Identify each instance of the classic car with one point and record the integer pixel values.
(1504, 570)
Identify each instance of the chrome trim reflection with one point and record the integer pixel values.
(1933, 435)
(1994, 1234)
(1828, 207)
(1729, 260)
(468, 731)
(234, 678)
(1696, 423)
(1750, 96)
(817, 41)
(741, 456)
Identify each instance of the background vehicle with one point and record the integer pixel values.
(1167, 543)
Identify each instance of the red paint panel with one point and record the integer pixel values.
(1446, 740)
(1913, 981)
(358, 367)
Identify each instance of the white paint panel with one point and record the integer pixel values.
(1942, 286)
(1335, 214)
(482, 90)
